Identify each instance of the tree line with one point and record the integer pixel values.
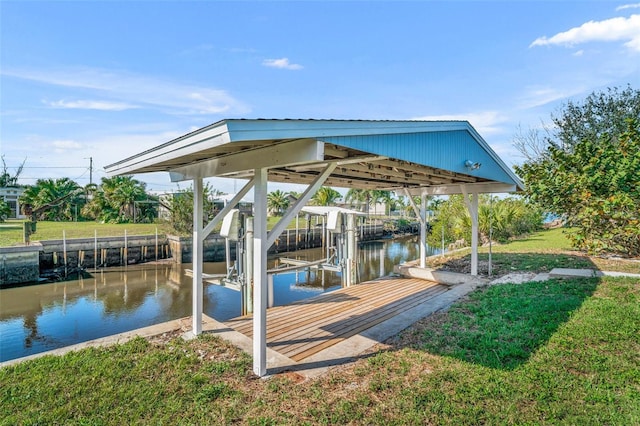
(585, 168)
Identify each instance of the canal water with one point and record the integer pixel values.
(42, 317)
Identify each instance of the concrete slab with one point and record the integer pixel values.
(572, 273)
(409, 270)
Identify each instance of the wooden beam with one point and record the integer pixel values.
(331, 150)
(406, 175)
(339, 162)
(431, 171)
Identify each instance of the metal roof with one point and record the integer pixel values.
(369, 154)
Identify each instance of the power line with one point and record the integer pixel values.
(53, 167)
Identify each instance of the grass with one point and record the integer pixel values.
(539, 252)
(561, 352)
(554, 352)
(501, 326)
(11, 231)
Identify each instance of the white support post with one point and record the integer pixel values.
(248, 263)
(197, 256)
(474, 234)
(260, 273)
(423, 230)
(422, 218)
(351, 251)
(472, 206)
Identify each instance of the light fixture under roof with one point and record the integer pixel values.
(472, 165)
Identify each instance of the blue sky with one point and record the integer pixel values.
(110, 79)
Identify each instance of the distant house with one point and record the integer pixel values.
(374, 209)
(164, 199)
(219, 201)
(11, 196)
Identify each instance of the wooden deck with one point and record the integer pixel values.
(304, 328)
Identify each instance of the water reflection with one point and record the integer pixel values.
(42, 317)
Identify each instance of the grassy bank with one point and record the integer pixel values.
(539, 252)
(11, 231)
(560, 352)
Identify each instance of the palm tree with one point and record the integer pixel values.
(277, 202)
(52, 199)
(380, 196)
(370, 197)
(5, 210)
(325, 196)
(359, 196)
(115, 200)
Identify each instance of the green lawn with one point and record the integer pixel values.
(560, 352)
(538, 252)
(11, 231)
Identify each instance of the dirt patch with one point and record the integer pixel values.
(461, 265)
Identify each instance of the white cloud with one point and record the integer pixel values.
(614, 29)
(282, 63)
(140, 90)
(578, 53)
(628, 6)
(485, 122)
(539, 96)
(60, 146)
(85, 104)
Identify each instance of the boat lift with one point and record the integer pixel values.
(341, 252)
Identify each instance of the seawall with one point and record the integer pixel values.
(19, 264)
(25, 264)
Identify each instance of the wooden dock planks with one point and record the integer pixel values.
(304, 328)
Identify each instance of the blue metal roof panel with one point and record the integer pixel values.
(442, 150)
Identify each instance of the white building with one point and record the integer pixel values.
(11, 196)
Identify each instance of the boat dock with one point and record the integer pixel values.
(312, 335)
(320, 331)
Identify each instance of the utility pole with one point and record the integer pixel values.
(90, 170)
